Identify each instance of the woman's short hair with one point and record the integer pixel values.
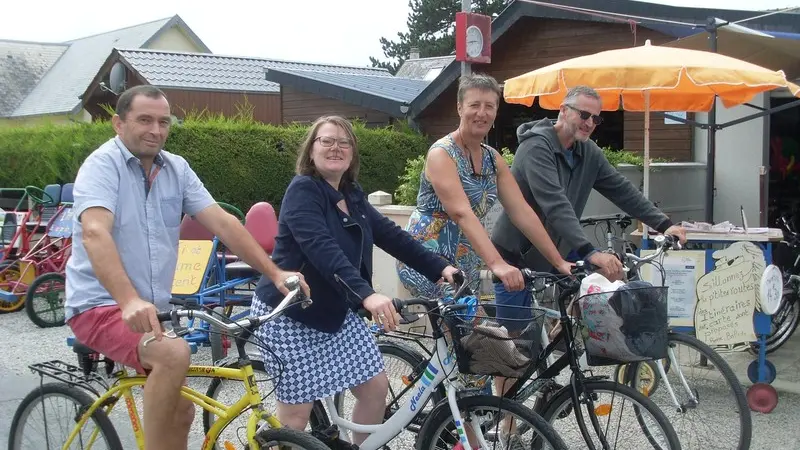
(478, 81)
(305, 164)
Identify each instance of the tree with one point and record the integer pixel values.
(431, 29)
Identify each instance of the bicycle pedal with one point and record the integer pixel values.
(330, 437)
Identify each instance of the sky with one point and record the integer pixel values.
(343, 32)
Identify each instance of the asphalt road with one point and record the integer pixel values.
(27, 344)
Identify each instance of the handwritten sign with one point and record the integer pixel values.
(727, 296)
(491, 217)
(771, 289)
(193, 257)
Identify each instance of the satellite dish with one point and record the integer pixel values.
(116, 78)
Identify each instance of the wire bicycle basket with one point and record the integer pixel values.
(630, 324)
(496, 340)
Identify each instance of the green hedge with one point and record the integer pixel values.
(241, 162)
(406, 193)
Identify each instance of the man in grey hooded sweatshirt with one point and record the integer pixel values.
(556, 167)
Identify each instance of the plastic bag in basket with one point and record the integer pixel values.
(620, 322)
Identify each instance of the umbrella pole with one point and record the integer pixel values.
(646, 174)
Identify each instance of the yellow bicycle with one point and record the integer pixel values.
(75, 383)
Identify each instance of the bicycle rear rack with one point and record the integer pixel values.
(72, 375)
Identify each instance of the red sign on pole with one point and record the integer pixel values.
(473, 38)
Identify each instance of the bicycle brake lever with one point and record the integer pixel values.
(171, 334)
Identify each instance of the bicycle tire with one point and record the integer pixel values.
(31, 295)
(564, 396)
(734, 386)
(782, 333)
(11, 267)
(441, 416)
(81, 398)
(317, 412)
(418, 364)
(267, 438)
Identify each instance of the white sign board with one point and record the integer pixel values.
(682, 269)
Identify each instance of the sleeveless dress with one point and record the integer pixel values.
(430, 224)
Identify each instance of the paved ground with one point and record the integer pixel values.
(27, 344)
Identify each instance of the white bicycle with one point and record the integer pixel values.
(464, 419)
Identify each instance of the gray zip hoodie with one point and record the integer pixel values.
(557, 189)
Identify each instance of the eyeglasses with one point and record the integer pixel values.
(586, 114)
(328, 141)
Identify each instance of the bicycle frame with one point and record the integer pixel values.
(438, 371)
(252, 398)
(568, 359)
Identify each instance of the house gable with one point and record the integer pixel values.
(59, 88)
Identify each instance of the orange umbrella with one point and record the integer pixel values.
(676, 80)
(649, 78)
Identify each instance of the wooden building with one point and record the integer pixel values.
(525, 37)
(223, 84)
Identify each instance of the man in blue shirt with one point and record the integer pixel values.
(129, 196)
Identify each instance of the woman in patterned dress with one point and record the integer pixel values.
(462, 180)
(326, 231)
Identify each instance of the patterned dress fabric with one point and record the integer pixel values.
(306, 364)
(430, 224)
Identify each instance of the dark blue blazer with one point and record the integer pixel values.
(333, 250)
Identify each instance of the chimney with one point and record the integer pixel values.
(414, 53)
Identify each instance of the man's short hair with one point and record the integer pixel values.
(573, 94)
(125, 99)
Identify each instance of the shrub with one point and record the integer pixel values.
(239, 160)
(406, 193)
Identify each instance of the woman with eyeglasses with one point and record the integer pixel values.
(326, 231)
(462, 179)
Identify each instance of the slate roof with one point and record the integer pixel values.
(386, 93)
(22, 66)
(398, 89)
(424, 68)
(59, 89)
(202, 71)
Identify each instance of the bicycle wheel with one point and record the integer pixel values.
(229, 392)
(286, 438)
(403, 367)
(648, 426)
(25, 435)
(783, 323)
(489, 412)
(44, 301)
(718, 415)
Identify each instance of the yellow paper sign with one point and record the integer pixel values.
(193, 257)
(727, 296)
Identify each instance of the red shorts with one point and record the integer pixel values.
(103, 330)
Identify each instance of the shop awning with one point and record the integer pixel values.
(773, 50)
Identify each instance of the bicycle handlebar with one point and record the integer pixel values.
(663, 243)
(583, 268)
(295, 296)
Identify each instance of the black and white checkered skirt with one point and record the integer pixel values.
(314, 364)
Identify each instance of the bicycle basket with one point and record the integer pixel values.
(626, 325)
(502, 343)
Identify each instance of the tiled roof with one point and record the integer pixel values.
(394, 88)
(58, 90)
(424, 68)
(22, 66)
(230, 73)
